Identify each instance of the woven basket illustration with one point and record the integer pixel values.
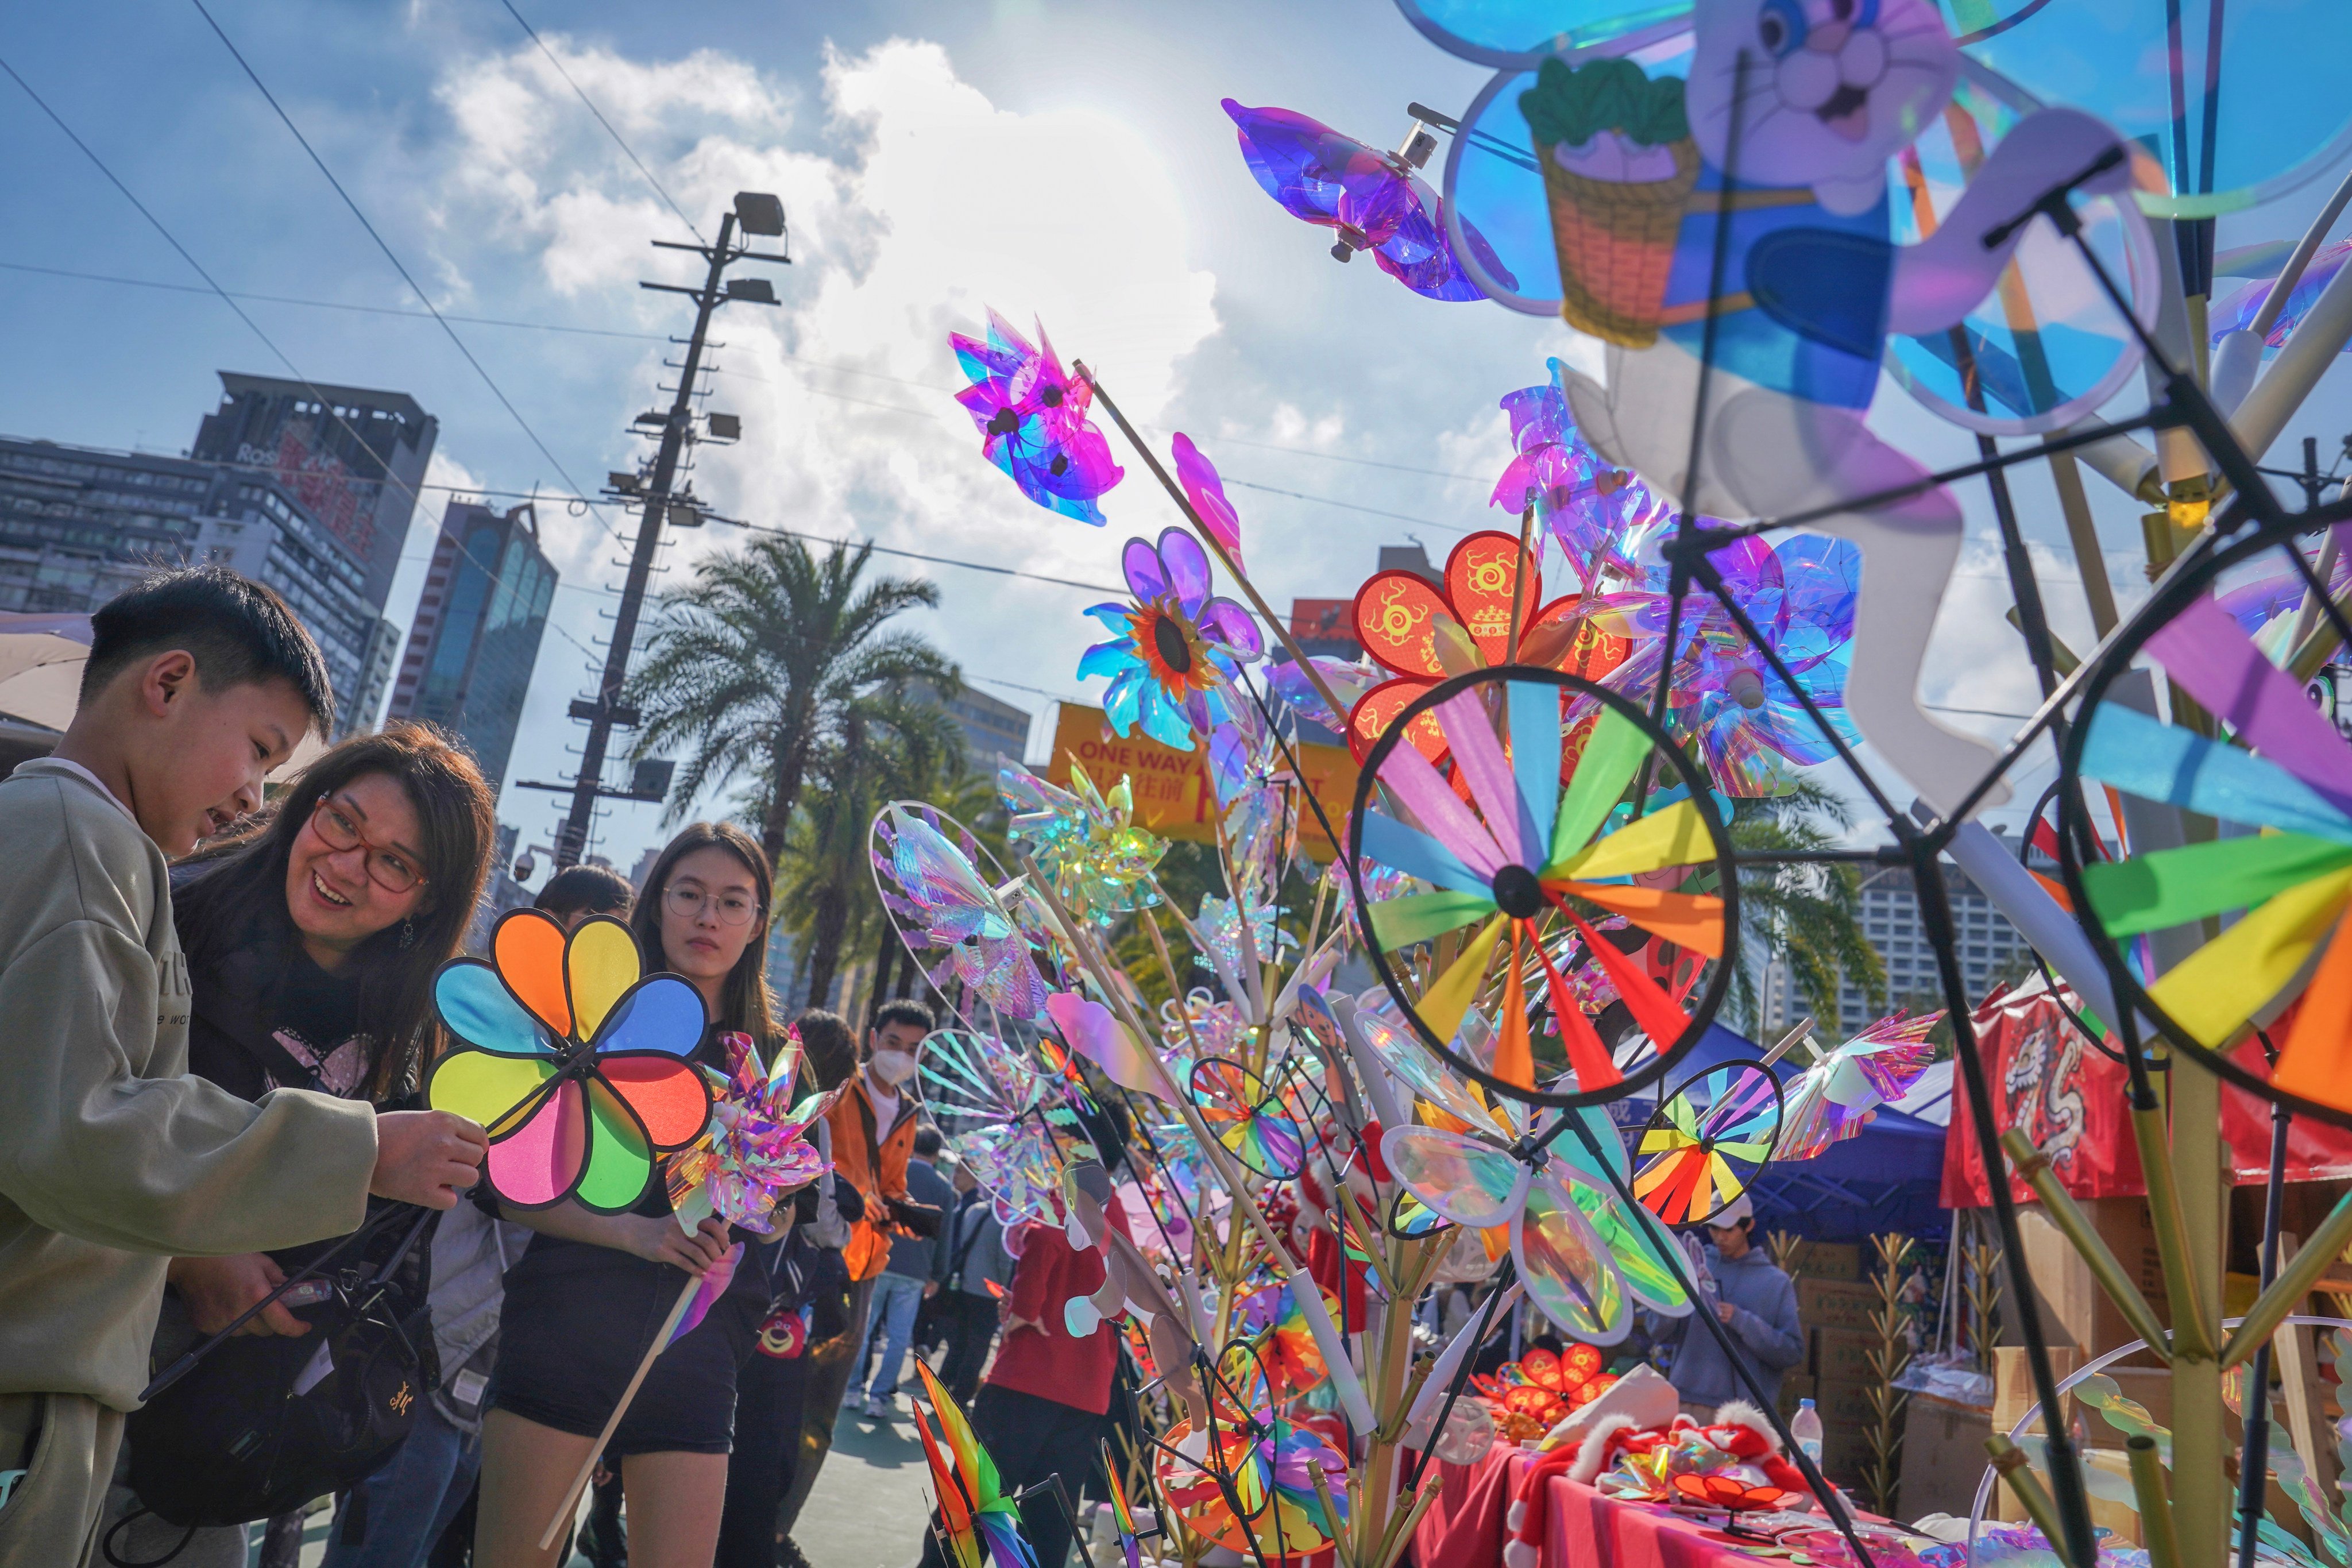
(1616, 244)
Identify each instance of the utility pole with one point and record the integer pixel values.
(755, 213)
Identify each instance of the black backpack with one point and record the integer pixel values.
(261, 1426)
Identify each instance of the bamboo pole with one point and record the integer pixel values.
(571, 1504)
(2154, 1512)
(2295, 1281)
(1209, 538)
(2202, 1505)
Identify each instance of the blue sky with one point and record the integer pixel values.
(1060, 161)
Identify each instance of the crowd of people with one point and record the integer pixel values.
(215, 1019)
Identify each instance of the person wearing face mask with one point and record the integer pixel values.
(873, 1134)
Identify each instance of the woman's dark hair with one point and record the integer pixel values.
(239, 894)
(830, 1049)
(744, 1000)
(592, 890)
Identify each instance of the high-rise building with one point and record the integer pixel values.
(1990, 949)
(478, 624)
(353, 461)
(80, 524)
(990, 727)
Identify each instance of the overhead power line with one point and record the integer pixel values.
(269, 343)
(629, 151)
(389, 255)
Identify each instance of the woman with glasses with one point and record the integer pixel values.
(312, 931)
(591, 1292)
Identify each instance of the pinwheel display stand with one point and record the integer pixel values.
(1582, 1529)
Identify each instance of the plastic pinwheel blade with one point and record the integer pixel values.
(1567, 908)
(2249, 923)
(1707, 1142)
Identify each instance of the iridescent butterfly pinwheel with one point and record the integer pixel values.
(1597, 512)
(1800, 593)
(988, 1099)
(755, 1153)
(1033, 420)
(1372, 200)
(936, 897)
(576, 1063)
(1175, 647)
(2235, 929)
(979, 1525)
(1832, 1101)
(1706, 1140)
(1511, 849)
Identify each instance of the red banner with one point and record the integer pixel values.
(2071, 1099)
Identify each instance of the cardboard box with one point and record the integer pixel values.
(1831, 1304)
(1943, 1456)
(1844, 1402)
(1829, 1261)
(1843, 1356)
(2075, 1310)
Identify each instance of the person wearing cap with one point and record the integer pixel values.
(1755, 1301)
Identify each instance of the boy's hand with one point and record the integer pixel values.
(215, 1290)
(428, 1157)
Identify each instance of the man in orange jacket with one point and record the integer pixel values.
(873, 1134)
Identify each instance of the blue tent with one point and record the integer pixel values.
(1887, 1177)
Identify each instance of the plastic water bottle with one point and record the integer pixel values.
(1806, 1430)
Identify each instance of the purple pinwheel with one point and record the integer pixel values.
(1596, 511)
(2237, 313)
(1372, 199)
(1033, 420)
(1748, 720)
(1176, 646)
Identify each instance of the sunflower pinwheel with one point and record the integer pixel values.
(1528, 834)
(574, 1061)
(1175, 647)
(1706, 1140)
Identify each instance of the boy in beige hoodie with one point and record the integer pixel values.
(112, 1160)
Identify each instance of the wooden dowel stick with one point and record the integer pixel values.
(588, 1467)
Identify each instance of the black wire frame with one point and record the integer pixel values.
(2113, 662)
(1668, 1053)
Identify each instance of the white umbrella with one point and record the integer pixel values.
(41, 656)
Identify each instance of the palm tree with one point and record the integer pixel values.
(892, 745)
(1810, 914)
(760, 660)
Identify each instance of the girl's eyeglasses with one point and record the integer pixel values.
(733, 908)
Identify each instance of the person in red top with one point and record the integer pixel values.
(1040, 1411)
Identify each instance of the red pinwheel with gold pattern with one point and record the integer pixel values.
(573, 1060)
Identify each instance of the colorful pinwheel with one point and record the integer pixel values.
(1421, 633)
(1176, 646)
(1122, 1514)
(1801, 596)
(1287, 1346)
(987, 1098)
(1832, 1101)
(573, 1060)
(937, 898)
(1597, 512)
(1280, 1514)
(1206, 491)
(1247, 1115)
(1033, 420)
(755, 1153)
(1507, 847)
(1097, 860)
(2275, 881)
(1706, 1140)
(1372, 200)
(978, 1524)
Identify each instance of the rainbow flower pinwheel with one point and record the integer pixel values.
(978, 1526)
(1706, 1140)
(1832, 1101)
(1509, 849)
(1252, 1118)
(1176, 646)
(1033, 423)
(573, 1060)
(755, 1153)
(2274, 882)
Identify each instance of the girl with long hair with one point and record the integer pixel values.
(313, 930)
(584, 1303)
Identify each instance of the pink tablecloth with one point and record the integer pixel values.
(1464, 1528)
